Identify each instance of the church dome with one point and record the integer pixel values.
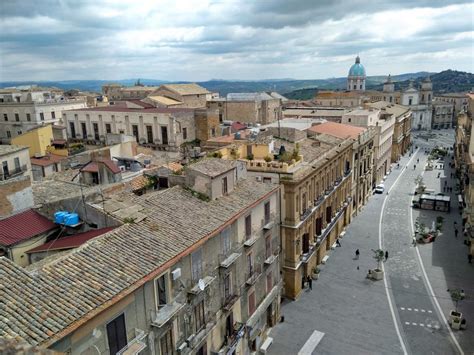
(357, 69)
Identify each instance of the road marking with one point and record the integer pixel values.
(407, 323)
(311, 343)
(422, 325)
(430, 311)
(416, 309)
(413, 323)
(430, 288)
(409, 309)
(390, 302)
(402, 308)
(423, 310)
(428, 325)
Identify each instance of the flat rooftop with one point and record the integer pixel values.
(6, 149)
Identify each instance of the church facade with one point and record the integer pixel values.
(418, 100)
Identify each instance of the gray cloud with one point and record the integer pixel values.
(185, 40)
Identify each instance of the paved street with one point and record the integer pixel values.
(355, 314)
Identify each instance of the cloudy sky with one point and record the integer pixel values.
(235, 39)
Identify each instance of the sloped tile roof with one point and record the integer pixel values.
(92, 167)
(187, 89)
(23, 226)
(339, 130)
(212, 166)
(47, 160)
(72, 241)
(45, 305)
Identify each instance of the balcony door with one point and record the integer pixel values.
(164, 135)
(116, 334)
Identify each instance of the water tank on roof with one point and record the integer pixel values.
(71, 219)
(59, 217)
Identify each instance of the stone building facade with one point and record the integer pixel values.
(192, 275)
(252, 108)
(443, 114)
(21, 111)
(162, 128)
(15, 180)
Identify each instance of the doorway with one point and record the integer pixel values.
(164, 135)
(116, 334)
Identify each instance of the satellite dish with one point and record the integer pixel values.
(201, 285)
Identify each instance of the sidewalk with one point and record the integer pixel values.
(446, 260)
(352, 311)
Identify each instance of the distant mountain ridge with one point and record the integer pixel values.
(295, 89)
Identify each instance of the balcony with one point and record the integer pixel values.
(201, 285)
(338, 181)
(165, 314)
(233, 339)
(306, 213)
(318, 201)
(229, 301)
(252, 276)
(226, 261)
(14, 173)
(347, 172)
(136, 345)
(251, 240)
(268, 224)
(271, 259)
(328, 191)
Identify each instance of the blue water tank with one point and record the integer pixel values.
(71, 219)
(59, 217)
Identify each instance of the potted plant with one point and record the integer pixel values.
(455, 317)
(316, 272)
(379, 255)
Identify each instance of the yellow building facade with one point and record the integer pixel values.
(38, 140)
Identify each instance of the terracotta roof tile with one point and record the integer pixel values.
(47, 160)
(72, 241)
(108, 268)
(339, 130)
(23, 226)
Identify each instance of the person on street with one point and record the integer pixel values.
(418, 160)
(310, 282)
(469, 258)
(456, 232)
(414, 167)
(413, 241)
(386, 255)
(338, 243)
(357, 254)
(439, 174)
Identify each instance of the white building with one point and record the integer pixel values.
(22, 110)
(384, 124)
(420, 103)
(162, 128)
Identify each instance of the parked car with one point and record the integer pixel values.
(379, 189)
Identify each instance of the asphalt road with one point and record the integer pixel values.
(406, 312)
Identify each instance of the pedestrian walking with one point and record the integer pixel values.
(357, 254)
(469, 257)
(439, 174)
(338, 243)
(456, 232)
(386, 255)
(455, 224)
(414, 167)
(413, 241)
(445, 182)
(418, 160)
(310, 282)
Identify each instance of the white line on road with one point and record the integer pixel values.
(402, 308)
(390, 302)
(423, 310)
(409, 309)
(416, 309)
(407, 323)
(428, 283)
(422, 325)
(413, 323)
(311, 343)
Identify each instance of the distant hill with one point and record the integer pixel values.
(446, 81)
